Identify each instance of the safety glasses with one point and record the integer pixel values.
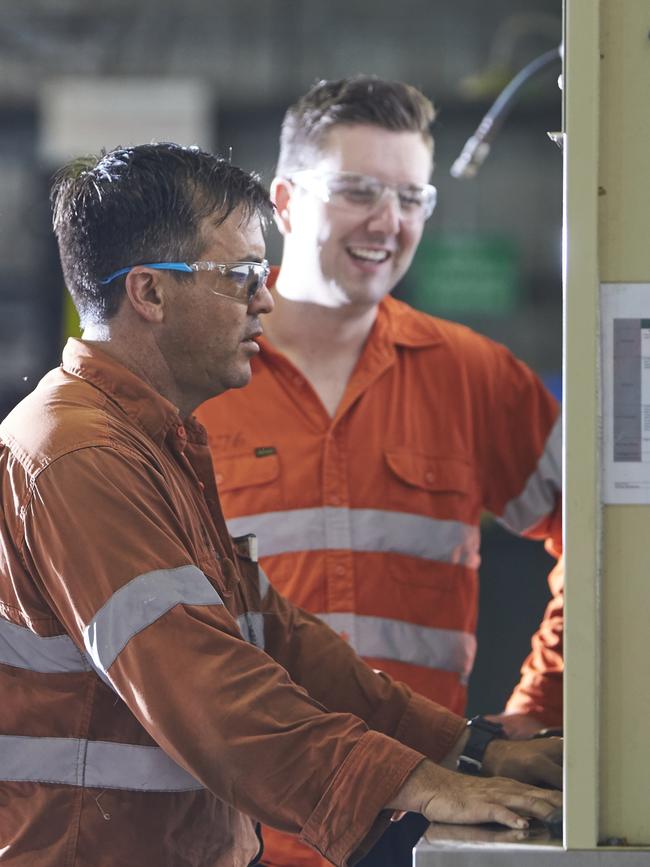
(243, 280)
(362, 193)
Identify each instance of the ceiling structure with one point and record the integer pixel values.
(268, 50)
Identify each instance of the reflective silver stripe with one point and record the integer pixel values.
(127, 766)
(383, 638)
(95, 764)
(542, 488)
(263, 582)
(251, 626)
(45, 760)
(139, 604)
(21, 648)
(330, 528)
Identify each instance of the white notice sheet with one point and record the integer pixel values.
(625, 336)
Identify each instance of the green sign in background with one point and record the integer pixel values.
(454, 274)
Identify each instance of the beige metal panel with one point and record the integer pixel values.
(625, 753)
(625, 141)
(582, 470)
(624, 177)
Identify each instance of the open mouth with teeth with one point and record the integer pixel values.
(368, 254)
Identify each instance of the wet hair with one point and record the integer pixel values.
(141, 204)
(364, 99)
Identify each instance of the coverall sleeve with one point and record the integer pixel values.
(324, 664)
(108, 550)
(524, 461)
(539, 691)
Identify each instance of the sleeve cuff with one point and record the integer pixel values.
(538, 696)
(351, 815)
(429, 728)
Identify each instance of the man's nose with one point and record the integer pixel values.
(387, 214)
(262, 301)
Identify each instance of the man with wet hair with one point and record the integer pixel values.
(160, 698)
(372, 436)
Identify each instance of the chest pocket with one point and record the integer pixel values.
(441, 490)
(248, 484)
(438, 486)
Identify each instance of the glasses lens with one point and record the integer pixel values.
(247, 278)
(364, 193)
(354, 190)
(417, 201)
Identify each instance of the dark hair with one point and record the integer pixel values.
(141, 204)
(364, 99)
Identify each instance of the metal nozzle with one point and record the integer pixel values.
(477, 146)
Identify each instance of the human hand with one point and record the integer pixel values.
(517, 726)
(538, 762)
(447, 796)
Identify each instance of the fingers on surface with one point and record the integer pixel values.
(505, 816)
(537, 805)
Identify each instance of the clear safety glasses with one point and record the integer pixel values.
(243, 280)
(363, 193)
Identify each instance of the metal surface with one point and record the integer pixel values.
(460, 846)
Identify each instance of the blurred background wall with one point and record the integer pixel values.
(76, 76)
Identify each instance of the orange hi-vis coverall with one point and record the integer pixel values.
(159, 697)
(370, 519)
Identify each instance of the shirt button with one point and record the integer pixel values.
(429, 477)
(218, 478)
(180, 430)
(340, 570)
(202, 486)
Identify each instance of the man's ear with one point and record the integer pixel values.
(146, 293)
(281, 190)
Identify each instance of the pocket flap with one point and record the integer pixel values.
(246, 470)
(428, 472)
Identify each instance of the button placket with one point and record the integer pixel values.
(338, 531)
(196, 466)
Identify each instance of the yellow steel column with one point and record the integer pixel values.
(607, 215)
(624, 244)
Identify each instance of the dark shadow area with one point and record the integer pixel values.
(513, 596)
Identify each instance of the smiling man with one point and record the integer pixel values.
(159, 697)
(372, 437)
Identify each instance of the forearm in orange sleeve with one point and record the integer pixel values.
(539, 692)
